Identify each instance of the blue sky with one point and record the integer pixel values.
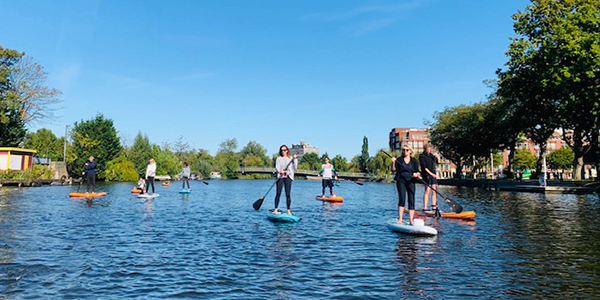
(326, 72)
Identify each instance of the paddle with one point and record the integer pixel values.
(457, 208)
(258, 203)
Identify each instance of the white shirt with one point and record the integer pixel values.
(151, 170)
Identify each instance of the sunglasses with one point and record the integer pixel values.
(285, 150)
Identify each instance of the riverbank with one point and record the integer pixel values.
(532, 186)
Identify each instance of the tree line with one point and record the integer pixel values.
(550, 81)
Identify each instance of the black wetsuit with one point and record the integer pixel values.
(428, 161)
(90, 171)
(405, 183)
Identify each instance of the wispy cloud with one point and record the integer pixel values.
(369, 18)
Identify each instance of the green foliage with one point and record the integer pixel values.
(229, 145)
(363, 159)
(552, 73)
(46, 144)
(339, 163)
(167, 163)
(380, 164)
(121, 169)
(354, 165)
(140, 153)
(98, 138)
(310, 161)
(12, 125)
(524, 159)
(227, 161)
(561, 159)
(37, 172)
(254, 154)
(201, 167)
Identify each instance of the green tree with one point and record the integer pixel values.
(380, 164)
(229, 145)
(167, 163)
(140, 153)
(524, 159)
(556, 55)
(227, 161)
(12, 124)
(96, 137)
(121, 169)
(363, 159)
(45, 143)
(254, 154)
(339, 163)
(310, 161)
(561, 159)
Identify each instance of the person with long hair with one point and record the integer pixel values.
(150, 174)
(407, 171)
(286, 166)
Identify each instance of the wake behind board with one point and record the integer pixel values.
(185, 192)
(465, 215)
(406, 228)
(87, 195)
(148, 196)
(282, 218)
(330, 199)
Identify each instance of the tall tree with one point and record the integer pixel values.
(140, 153)
(96, 137)
(12, 125)
(45, 143)
(254, 154)
(310, 161)
(556, 55)
(363, 159)
(340, 163)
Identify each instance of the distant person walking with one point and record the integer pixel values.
(185, 175)
(90, 171)
(150, 174)
(428, 162)
(407, 171)
(328, 172)
(285, 166)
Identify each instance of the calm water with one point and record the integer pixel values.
(212, 244)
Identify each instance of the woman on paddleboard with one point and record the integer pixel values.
(90, 171)
(407, 172)
(150, 174)
(328, 172)
(286, 167)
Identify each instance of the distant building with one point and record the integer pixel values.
(417, 138)
(16, 158)
(303, 148)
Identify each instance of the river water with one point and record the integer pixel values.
(213, 245)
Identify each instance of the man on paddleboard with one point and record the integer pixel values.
(90, 171)
(428, 162)
(328, 171)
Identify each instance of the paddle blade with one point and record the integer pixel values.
(205, 182)
(457, 208)
(258, 203)
(359, 183)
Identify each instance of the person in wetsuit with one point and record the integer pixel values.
(90, 172)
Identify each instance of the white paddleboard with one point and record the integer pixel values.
(148, 195)
(406, 228)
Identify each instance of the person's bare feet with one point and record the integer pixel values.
(276, 211)
(289, 212)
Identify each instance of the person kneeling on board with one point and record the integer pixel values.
(407, 172)
(328, 171)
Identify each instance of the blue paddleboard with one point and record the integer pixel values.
(282, 217)
(185, 192)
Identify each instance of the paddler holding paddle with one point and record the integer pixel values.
(407, 172)
(328, 172)
(428, 161)
(285, 166)
(90, 171)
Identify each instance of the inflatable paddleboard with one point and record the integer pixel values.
(87, 195)
(282, 217)
(416, 229)
(465, 215)
(185, 192)
(148, 195)
(330, 199)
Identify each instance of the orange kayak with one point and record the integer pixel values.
(136, 191)
(331, 199)
(87, 195)
(468, 215)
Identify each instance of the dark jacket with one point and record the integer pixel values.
(405, 171)
(90, 168)
(427, 161)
